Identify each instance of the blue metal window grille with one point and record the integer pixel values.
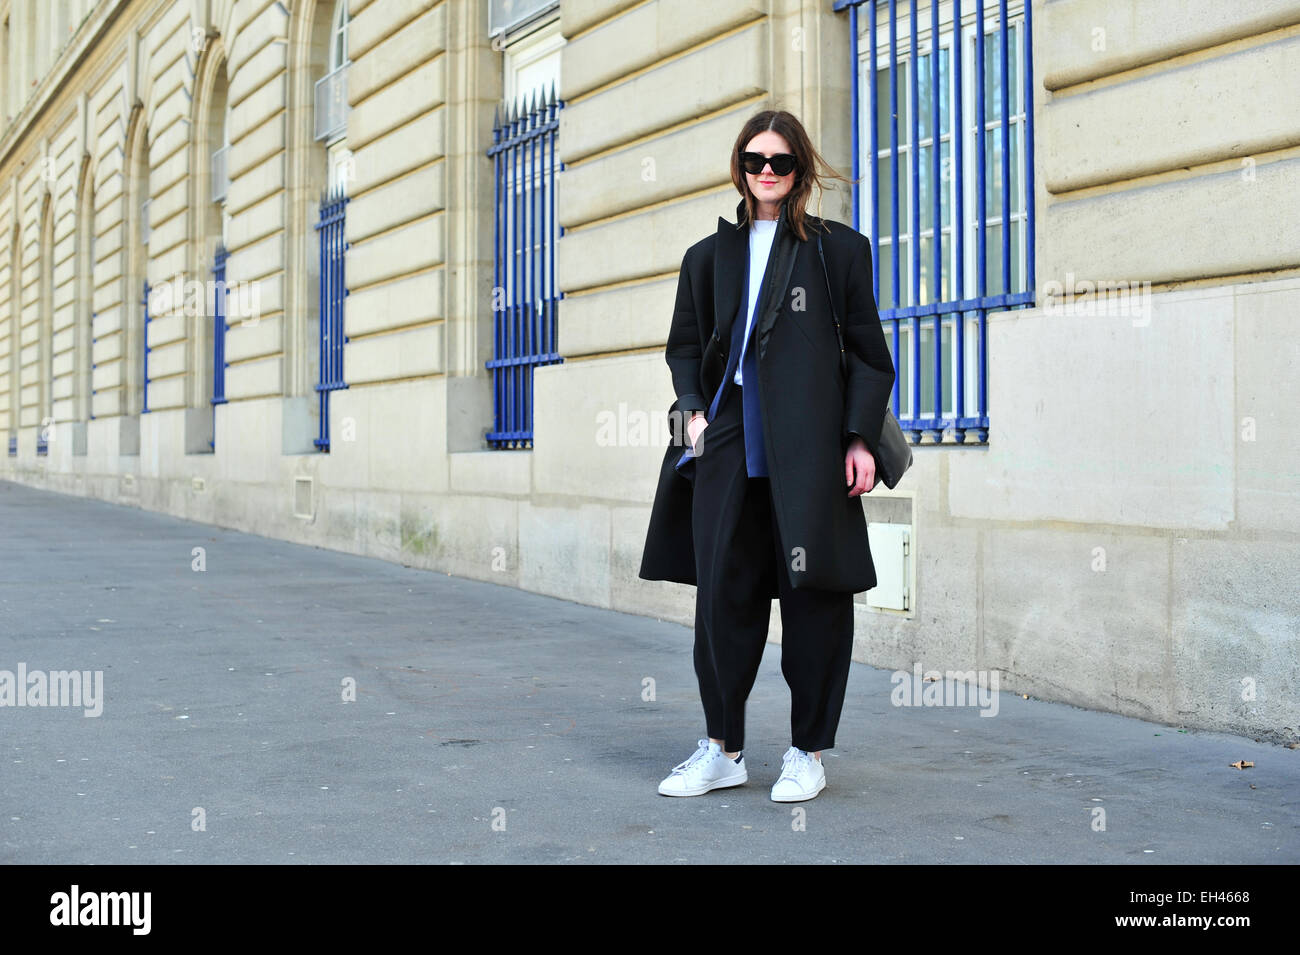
(218, 336)
(13, 445)
(144, 338)
(332, 292)
(525, 300)
(933, 202)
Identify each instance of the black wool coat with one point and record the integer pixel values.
(811, 410)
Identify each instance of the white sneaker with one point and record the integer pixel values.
(707, 768)
(802, 777)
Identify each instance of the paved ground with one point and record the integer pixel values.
(477, 703)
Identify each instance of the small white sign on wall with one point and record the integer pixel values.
(891, 553)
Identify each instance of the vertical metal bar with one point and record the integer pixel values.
(513, 341)
(343, 285)
(546, 341)
(914, 163)
(508, 270)
(554, 234)
(224, 311)
(521, 340)
(874, 139)
(327, 325)
(893, 174)
(327, 368)
(893, 151)
(534, 241)
(336, 332)
(959, 217)
(497, 298)
(1027, 90)
(914, 226)
(521, 287)
(936, 280)
(981, 237)
(1005, 37)
(320, 312)
(322, 327)
(331, 239)
(543, 235)
(503, 280)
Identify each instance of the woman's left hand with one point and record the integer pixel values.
(859, 468)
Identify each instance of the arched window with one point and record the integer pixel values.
(319, 166)
(216, 224)
(525, 231)
(331, 129)
(135, 294)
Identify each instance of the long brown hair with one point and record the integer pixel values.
(811, 168)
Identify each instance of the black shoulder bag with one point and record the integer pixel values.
(893, 454)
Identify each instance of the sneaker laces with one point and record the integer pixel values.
(699, 756)
(795, 760)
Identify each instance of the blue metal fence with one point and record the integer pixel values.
(218, 336)
(525, 300)
(332, 292)
(945, 387)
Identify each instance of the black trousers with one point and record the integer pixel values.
(737, 557)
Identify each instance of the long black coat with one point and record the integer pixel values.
(810, 411)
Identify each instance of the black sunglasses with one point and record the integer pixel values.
(782, 163)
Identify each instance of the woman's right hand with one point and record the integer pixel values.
(696, 425)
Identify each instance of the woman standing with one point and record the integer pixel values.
(761, 498)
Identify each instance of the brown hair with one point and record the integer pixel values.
(810, 168)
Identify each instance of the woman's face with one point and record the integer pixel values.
(767, 186)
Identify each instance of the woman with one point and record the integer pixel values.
(761, 498)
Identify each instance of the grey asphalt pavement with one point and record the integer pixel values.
(494, 725)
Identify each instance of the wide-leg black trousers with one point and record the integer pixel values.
(737, 557)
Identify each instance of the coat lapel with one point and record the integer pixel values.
(730, 261)
(785, 246)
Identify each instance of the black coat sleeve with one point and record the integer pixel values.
(869, 370)
(683, 351)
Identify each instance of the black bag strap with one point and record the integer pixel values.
(839, 337)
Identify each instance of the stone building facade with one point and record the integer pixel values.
(1121, 532)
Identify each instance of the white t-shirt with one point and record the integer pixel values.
(761, 234)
